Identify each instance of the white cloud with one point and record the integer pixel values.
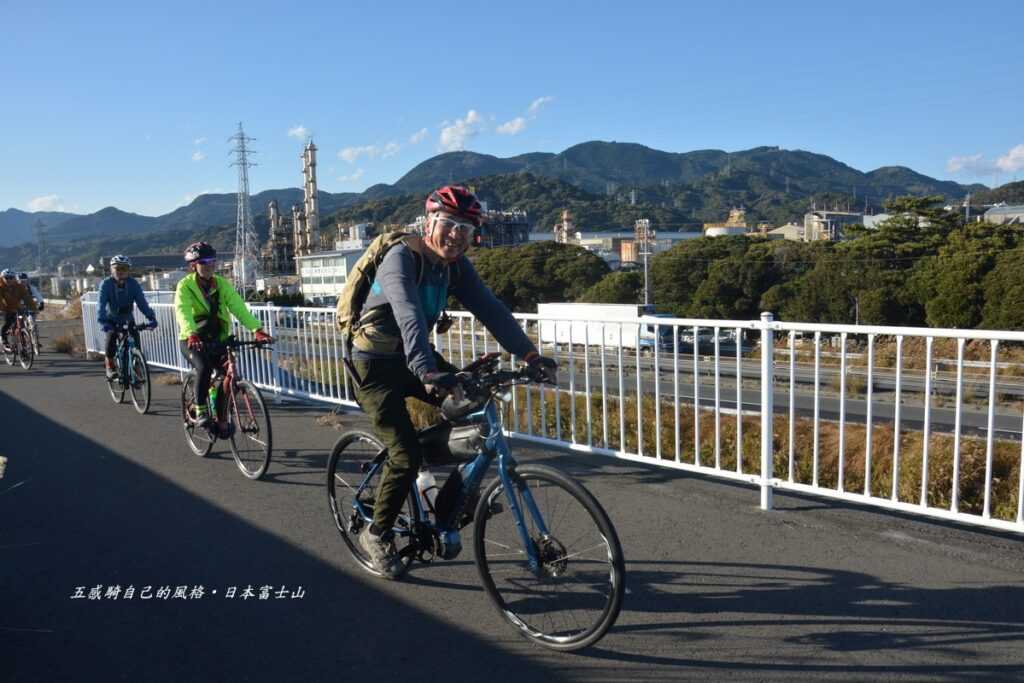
(390, 150)
(963, 163)
(198, 156)
(455, 136)
(1012, 161)
(49, 202)
(418, 137)
(977, 164)
(198, 141)
(299, 132)
(516, 125)
(351, 178)
(538, 103)
(350, 154)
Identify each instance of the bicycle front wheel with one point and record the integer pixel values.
(139, 382)
(116, 386)
(573, 595)
(251, 439)
(199, 440)
(27, 352)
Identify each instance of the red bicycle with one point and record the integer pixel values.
(22, 349)
(239, 413)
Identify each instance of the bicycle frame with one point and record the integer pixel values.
(123, 354)
(473, 473)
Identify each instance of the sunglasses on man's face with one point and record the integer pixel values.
(454, 225)
(121, 269)
(206, 261)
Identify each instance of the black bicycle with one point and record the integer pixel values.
(547, 554)
(239, 413)
(131, 371)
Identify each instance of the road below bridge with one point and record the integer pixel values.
(96, 495)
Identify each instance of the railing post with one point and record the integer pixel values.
(275, 368)
(767, 407)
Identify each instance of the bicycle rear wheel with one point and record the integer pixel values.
(139, 386)
(26, 352)
(574, 596)
(352, 475)
(251, 439)
(199, 440)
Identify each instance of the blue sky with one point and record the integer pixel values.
(127, 105)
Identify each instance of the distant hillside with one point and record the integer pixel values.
(17, 226)
(602, 166)
(1011, 193)
(596, 180)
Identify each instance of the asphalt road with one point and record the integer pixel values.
(95, 495)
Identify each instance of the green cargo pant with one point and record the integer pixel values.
(384, 386)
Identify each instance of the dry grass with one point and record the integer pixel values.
(72, 343)
(169, 379)
(333, 419)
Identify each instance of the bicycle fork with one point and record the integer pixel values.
(506, 469)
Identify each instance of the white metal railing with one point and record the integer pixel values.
(891, 444)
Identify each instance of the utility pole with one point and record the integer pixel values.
(247, 264)
(40, 233)
(644, 235)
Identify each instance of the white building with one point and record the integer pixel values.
(828, 225)
(789, 231)
(322, 275)
(166, 281)
(1005, 214)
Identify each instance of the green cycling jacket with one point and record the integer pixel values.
(191, 307)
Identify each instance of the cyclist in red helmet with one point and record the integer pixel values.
(203, 304)
(393, 357)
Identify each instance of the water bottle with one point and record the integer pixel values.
(426, 484)
(214, 390)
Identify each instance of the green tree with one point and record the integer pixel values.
(620, 287)
(1004, 293)
(523, 276)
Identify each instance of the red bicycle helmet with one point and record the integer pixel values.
(456, 200)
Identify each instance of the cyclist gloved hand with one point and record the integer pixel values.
(194, 342)
(441, 384)
(543, 368)
(262, 336)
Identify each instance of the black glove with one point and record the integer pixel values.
(41, 304)
(542, 368)
(441, 380)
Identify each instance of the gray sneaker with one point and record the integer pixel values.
(382, 553)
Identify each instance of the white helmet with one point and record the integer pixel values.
(121, 260)
(8, 274)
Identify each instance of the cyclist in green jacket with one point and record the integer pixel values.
(204, 303)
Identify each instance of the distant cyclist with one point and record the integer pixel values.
(204, 303)
(31, 317)
(14, 296)
(119, 294)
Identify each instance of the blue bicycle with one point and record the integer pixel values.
(132, 372)
(547, 554)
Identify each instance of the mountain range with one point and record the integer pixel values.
(602, 170)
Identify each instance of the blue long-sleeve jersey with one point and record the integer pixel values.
(115, 305)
